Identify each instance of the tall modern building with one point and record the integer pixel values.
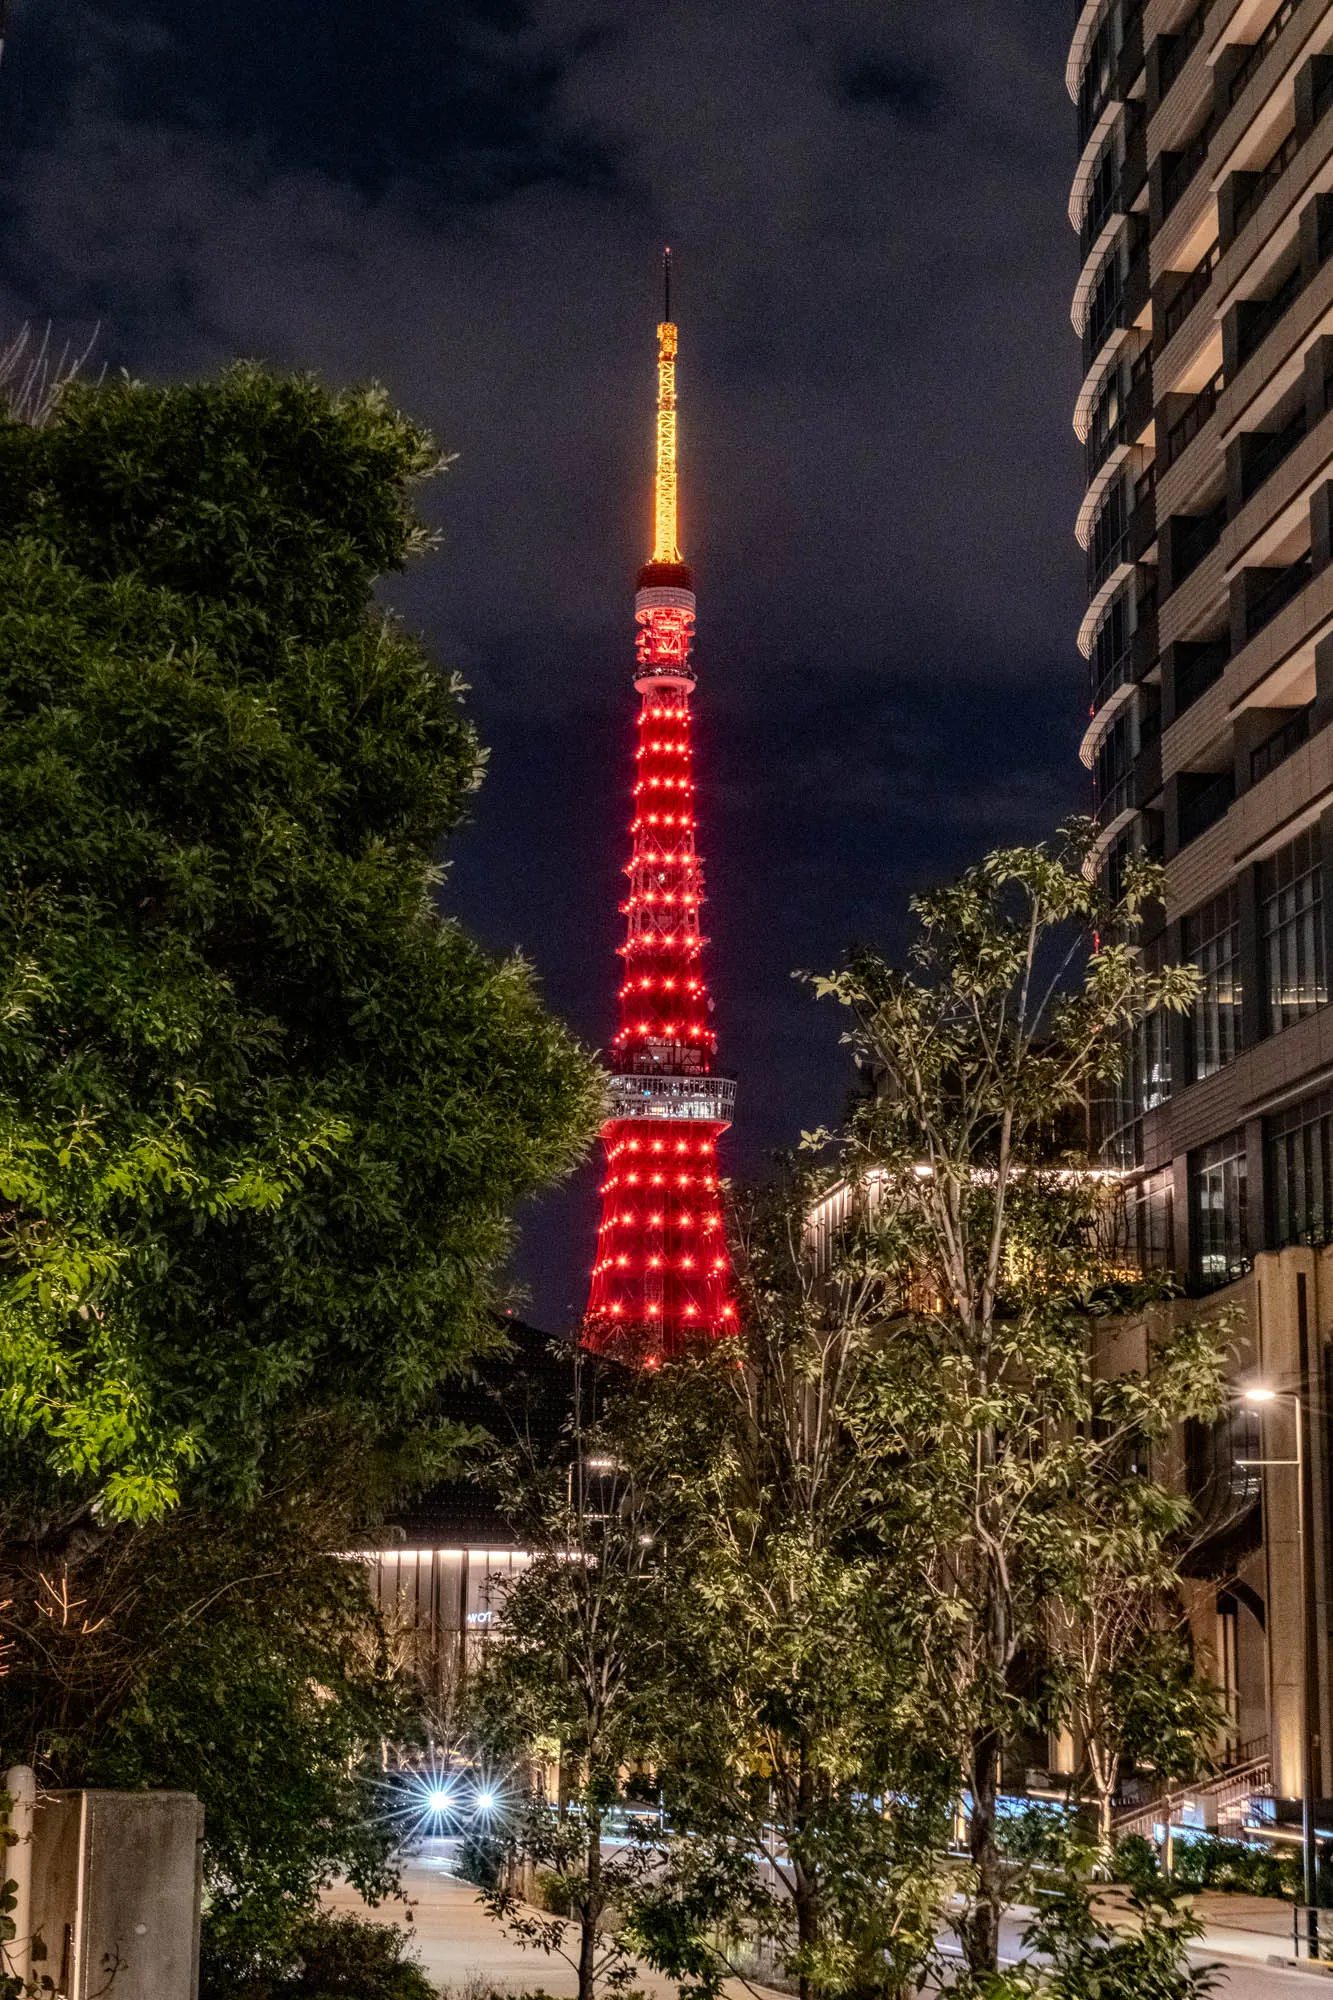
(1204, 201)
(661, 1276)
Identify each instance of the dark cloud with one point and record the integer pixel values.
(465, 199)
(898, 87)
(462, 100)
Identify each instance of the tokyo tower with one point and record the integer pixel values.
(662, 1277)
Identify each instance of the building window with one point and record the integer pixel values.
(1142, 1084)
(1212, 943)
(1150, 1220)
(1300, 1167)
(1291, 930)
(1217, 1203)
(1152, 1058)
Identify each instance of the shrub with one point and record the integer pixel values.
(1209, 1863)
(481, 1859)
(325, 1957)
(1202, 1861)
(1035, 1832)
(554, 1892)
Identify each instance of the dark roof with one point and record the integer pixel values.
(524, 1392)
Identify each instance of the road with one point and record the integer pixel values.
(467, 1952)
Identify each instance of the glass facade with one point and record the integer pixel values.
(1300, 1171)
(1151, 1220)
(1291, 931)
(1212, 943)
(1217, 1204)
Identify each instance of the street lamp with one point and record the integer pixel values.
(1259, 1394)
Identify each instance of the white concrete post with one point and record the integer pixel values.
(21, 1784)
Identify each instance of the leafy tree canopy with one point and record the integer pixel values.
(264, 1113)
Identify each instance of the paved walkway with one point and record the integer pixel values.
(468, 1953)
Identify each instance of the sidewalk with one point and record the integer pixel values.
(463, 1948)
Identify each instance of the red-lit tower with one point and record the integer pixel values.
(662, 1272)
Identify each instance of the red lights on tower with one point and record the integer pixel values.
(661, 1272)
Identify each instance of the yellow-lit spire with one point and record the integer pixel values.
(664, 491)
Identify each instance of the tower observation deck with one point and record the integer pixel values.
(662, 1277)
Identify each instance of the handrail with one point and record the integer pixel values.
(1237, 1781)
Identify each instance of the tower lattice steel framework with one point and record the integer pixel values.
(662, 1276)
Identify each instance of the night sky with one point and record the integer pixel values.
(866, 204)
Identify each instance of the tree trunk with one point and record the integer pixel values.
(805, 1887)
(1105, 1800)
(805, 1896)
(592, 1911)
(979, 1931)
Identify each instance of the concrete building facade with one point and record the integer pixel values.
(1203, 198)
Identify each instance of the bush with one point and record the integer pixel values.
(1202, 1861)
(1209, 1863)
(1036, 1832)
(554, 1892)
(481, 1859)
(325, 1957)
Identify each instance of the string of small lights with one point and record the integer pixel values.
(662, 1271)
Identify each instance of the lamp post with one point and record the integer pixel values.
(1259, 1395)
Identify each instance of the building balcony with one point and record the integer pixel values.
(1280, 474)
(1258, 595)
(1202, 799)
(1178, 428)
(1240, 62)
(1241, 193)
(1169, 54)
(1109, 553)
(1287, 738)
(1256, 204)
(1189, 669)
(1260, 453)
(1185, 540)
(1116, 302)
(1255, 363)
(1130, 423)
(1126, 666)
(1174, 297)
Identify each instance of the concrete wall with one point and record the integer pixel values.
(116, 1893)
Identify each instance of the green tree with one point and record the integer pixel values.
(578, 1656)
(265, 1113)
(1022, 988)
(788, 1698)
(1123, 1671)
